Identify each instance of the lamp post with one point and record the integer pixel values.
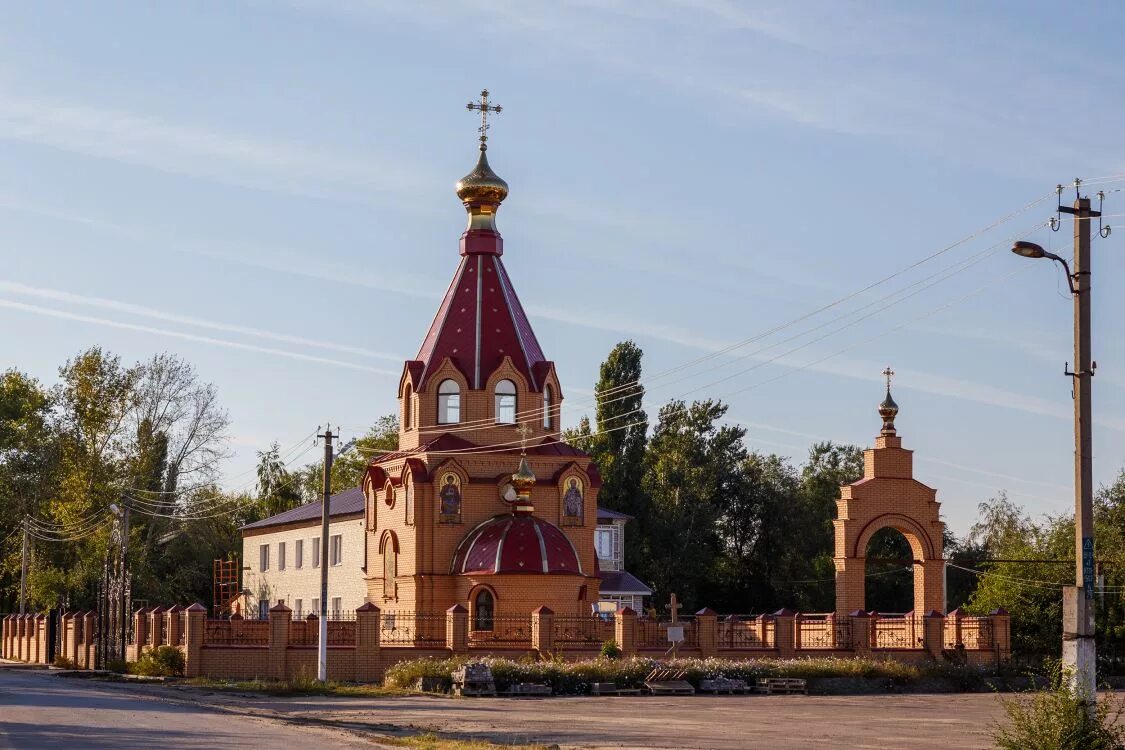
(1078, 600)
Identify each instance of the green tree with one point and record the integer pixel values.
(278, 488)
(349, 466)
(692, 466)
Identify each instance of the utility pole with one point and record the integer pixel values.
(322, 643)
(23, 571)
(123, 514)
(1078, 602)
(1078, 651)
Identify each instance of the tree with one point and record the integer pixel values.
(348, 467)
(278, 489)
(692, 465)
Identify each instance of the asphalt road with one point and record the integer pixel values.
(41, 709)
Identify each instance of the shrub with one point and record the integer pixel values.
(162, 661)
(574, 677)
(64, 663)
(117, 665)
(610, 650)
(1055, 719)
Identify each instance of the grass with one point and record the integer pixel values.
(296, 686)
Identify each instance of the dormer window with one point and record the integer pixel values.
(547, 407)
(449, 402)
(505, 402)
(408, 412)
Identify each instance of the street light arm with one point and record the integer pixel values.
(1066, 267)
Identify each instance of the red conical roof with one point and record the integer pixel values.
(481, 321)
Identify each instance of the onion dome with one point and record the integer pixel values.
(515, 544)
(888, 410)
(482, 185)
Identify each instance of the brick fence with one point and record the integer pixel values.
(283, 648)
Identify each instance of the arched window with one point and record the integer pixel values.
(390, 564)
(407, 410)
(483, 606)
(506, 402)
(547, 407)
(449, 402)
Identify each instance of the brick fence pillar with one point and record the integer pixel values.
(17, 638)
(41, 639)
(193, 639)
(457, 629)
(784, 633)
(156, 626)
(625, 630)
(89, 640)
(279, 615)
(5, 636)
(933, 632)
(954, 624)
(368, 656)
(73, 635)
(543, 630)
(1001, 634)
(140, 631)
(173, 625)
(861, 632)
(707, 631)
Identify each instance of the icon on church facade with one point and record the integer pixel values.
(572, 499)
(450, 497)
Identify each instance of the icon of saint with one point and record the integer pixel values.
(450, 497)
(572, 499)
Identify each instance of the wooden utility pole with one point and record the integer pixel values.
(322, 642)
(674, 606)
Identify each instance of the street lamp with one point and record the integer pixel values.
(1078, 655)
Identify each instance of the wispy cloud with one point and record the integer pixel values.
(57, 295)
(198, 151)
(167, 333)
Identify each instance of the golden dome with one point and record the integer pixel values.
(524, 478)
(888, 410)
(482, 185)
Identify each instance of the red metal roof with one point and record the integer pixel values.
(479, 322)
(515, 544)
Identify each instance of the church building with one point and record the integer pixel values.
(482, 506)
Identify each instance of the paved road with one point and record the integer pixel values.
(40, 709)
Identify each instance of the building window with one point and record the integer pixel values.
(546, 407)
(297, 608)
(316, 551)
(407, 408)
(281, 555)
(315, 608)
(482, 610)
(603, 541)
(409, 494)
(299, 554)
(449, 402)
(389, 549)
(337, 608)
(335, 549)
(264, 557)
(506, 402)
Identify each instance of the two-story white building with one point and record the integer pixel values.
(619, 587)
(281, 558)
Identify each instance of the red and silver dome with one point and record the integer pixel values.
(515, 544)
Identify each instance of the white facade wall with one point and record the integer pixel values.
(299, 586)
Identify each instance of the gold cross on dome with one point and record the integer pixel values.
(525, 431)
(888, 374)
(485, 109)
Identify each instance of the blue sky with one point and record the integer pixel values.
(265, 188)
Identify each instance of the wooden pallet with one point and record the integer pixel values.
(474, 689)
(723, 685)
(781, 686)
(528, 690)
(610, 688)
(670, 687)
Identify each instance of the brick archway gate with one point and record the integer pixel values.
(888, 495)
